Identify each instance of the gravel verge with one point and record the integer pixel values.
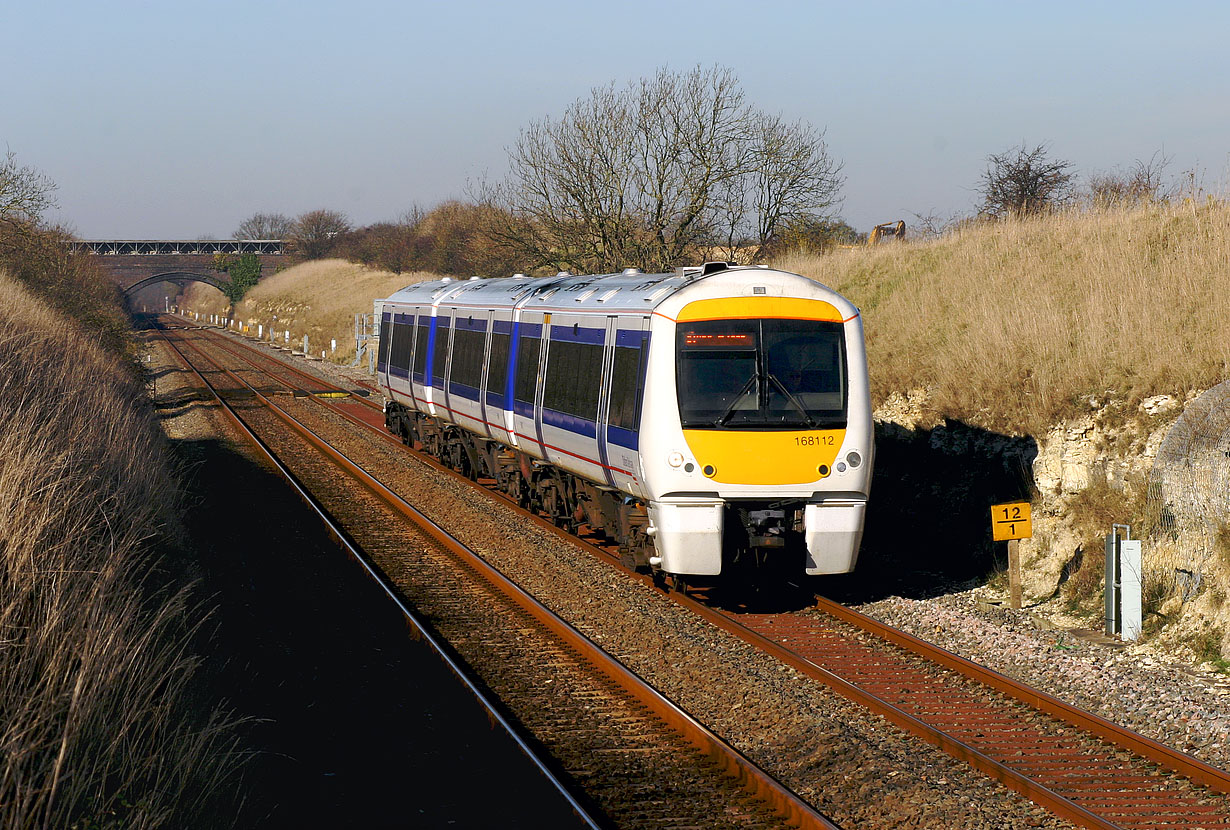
(1179, 706)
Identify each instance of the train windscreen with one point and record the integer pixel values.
(761, 374)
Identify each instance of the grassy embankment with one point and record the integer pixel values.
(317, 298)
(1014, 326)
(99, 726)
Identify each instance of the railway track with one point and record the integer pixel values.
(639, 759)
(1081, 767)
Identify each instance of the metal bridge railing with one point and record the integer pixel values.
(181, 247)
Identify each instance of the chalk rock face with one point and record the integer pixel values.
(1070, 458)
(1159, 404)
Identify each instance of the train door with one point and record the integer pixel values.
(384, 344)
(497, 388)
(396, 353)
(438, 349)
(528, 346)
(625, 394)
(419, 383)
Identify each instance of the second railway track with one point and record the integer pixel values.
(1105, 779)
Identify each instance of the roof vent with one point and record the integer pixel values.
(713, 267)
(518, 276)
(563, 274)
(475, 278)
(631, 272)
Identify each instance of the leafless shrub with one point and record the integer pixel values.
(1143, 183)
(1023, 181)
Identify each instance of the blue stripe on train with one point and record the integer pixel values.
(576, 334)
(623, 437)
(463, 391)
(572, 423)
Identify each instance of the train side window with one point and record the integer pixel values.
(626, 389)
(439, 361)
(468, 357)
(573, 370)
(382, 353)
(497, 369)
(527, 369)
(421, 334)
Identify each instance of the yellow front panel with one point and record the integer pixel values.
(736, 308)
(742, 457)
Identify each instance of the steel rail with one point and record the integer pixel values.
(1146, 748)
(1180, 762)
(1021, 783)
(420, 628)
(793, 810)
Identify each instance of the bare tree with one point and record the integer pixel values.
(315, 232)
(265, 226)
(654, 173)
(791, 183)
(24, 192)
(1022, 181)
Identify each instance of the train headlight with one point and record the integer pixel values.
(675, 459)
(854, 459)
(841, 466)
(823, 470)
(709, 470)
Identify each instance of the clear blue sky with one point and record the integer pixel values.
(178, 120)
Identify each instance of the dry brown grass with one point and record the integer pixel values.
(318, 298)
(95, 729)
(1011, 325)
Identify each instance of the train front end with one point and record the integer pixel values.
(762, 447)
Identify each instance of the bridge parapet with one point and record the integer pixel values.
(182, 247)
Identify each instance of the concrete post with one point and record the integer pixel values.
(1130, 611)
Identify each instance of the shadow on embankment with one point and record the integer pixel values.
(928, 526)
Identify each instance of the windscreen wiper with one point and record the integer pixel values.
(795, 402)
(730, 410)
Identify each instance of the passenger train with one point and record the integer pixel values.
(706, 420)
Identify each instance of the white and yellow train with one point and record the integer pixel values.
(705, 420)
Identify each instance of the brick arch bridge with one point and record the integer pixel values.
(138, 263)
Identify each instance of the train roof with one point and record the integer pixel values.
(629, 290)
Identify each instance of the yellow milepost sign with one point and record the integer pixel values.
(1011, 521)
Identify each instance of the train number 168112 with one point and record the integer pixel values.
(815, 440)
